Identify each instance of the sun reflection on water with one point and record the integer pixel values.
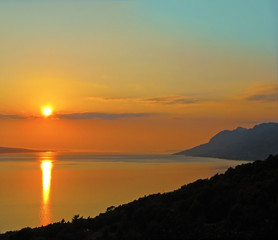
(46, 167)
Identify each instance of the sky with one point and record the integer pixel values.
(141, 76)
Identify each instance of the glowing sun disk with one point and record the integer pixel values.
(47, 111)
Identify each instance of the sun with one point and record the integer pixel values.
(47, 111)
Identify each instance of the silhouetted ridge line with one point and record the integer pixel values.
(240, 204)
(240, 144)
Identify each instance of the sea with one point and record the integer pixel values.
(37, 189)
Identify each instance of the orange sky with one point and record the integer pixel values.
(120, 77)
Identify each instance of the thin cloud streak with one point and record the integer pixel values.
(173, 99)
(106, 116)
(4, 116)
(80, 116)
(270, 95)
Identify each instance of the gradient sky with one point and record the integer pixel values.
(134, 75)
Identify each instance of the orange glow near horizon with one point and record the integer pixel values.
(46, 167)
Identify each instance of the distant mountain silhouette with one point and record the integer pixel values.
(240, 204)
(240, 144)
(16, 150)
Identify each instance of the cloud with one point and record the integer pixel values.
(173, 99)
(268, 95)
(107, 116)
(113, 99)
(4, 116)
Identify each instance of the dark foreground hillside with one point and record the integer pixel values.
(240, 204)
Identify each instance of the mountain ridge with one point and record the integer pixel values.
(240, 144)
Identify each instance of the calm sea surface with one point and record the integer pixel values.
(40, 188)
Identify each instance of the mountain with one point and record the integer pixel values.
(15, 150)
(240, 204)
(240, 144)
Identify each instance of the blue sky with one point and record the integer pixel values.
(243, 21)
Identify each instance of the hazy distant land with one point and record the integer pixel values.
(240, 144)
(17, 150)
